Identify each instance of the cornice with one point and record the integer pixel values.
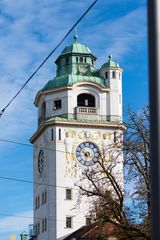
(43, 126)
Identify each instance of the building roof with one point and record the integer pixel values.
(95, 231)
(72, 73)
(110, 63)
(76, 48)
(70, 79)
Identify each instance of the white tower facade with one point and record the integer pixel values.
(78, 112)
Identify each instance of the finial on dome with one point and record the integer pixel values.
(75, 35)
(110, 57)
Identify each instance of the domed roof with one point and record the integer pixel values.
(76, 48)
(70, 80)
(110, 63)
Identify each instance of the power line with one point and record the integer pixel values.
(13, 215)
(36, 218)
(14, 142)
(33, 182)
(71, 29)
(30, 145)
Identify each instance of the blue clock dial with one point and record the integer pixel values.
(87, 153)
(41, 161)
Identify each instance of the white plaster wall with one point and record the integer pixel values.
(114, 109)
(66, 207)
(100, 98)
(47, 210)
(57, 207)
(49, 99)
(69, 100)
(115, 92)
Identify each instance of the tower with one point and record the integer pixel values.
(79, 113)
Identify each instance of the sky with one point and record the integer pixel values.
(29, 30)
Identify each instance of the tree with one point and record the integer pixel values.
(126, 208)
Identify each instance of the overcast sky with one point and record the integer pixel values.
(29, 30)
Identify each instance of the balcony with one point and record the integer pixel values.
(86, 112)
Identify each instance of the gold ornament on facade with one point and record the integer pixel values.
(94, 135)
(69, 163)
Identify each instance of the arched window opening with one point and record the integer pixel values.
(106, 75)
(43, 111)
(114, 74)
(67, 60)
(85, 100)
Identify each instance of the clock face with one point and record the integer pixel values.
(40, 161)
(87, 153)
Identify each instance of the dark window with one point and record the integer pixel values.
(85, 59)
(114, 74)
(106, 75)
(81, 59)
(77, 59)
(67, 60)
(59, 134)
(115, 137)
(38, 202)
(38, 228)
(42, 198)
(52, 135)
(85, 100)
(68, 222)
(43, 110)
(43, 225)
(57, 104)
(92, 62)
(45, 196)
(88, 221)
(68, 194)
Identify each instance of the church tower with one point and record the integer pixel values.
(79, 114)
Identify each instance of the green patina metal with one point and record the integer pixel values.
(76, 65)
(24, 236)
(76, 48)
(110, 63)
(69, 80)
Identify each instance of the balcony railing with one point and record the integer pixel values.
(86, 110)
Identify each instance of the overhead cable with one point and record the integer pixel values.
(71, 29)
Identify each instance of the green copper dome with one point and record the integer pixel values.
(110, 63)
(69, 80)
(76, 64)
(76, 48)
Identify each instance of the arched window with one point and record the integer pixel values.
(43, 110)
(114, 74)
(85, 100)
(67, 60)
(106, 75)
